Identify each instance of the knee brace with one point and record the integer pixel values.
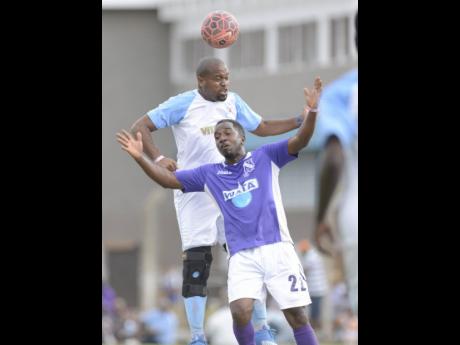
(195, 273)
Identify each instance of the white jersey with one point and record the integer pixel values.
(192, 119)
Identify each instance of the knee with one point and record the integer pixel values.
(296, 317)
(196, 268)
(241, 312)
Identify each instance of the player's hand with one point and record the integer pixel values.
(323, 230)
(130, 144)
(168, 163)
(312, 95)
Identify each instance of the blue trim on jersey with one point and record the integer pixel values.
(247, 117)
(172, 111)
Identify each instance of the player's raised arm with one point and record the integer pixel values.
(304, 134)
(159, 174)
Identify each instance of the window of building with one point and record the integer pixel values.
(248, 51)
(297, 44)
(194, 50)
(340, 43)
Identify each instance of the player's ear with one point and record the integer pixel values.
(200, 80)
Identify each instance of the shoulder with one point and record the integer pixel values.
(184, 97)
(233, 96)
(205, 169)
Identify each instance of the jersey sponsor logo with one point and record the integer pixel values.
(207, 130)
(241, 196)
(248, 167)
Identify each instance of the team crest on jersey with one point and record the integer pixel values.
(230, 109)
(248, 167)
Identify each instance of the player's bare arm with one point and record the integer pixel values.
(275, 127)
(330, 172)
(304, 134)
(158, 173)
(146, 127)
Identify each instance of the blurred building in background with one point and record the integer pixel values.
(150, 50)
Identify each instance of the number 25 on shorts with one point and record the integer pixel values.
(292, 278)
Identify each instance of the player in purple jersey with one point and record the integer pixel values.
(245, 188)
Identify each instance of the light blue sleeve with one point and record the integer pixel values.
(172, 111)
(334, 116)
(247, 117)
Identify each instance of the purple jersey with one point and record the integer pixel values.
(248, 195)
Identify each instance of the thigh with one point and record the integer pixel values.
(285, 278)
(245, 276)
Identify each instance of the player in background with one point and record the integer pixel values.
(336, 231)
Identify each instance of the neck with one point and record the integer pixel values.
(235, 159)
(203, 94)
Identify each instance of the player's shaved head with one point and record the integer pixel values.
(212, 77)
(207, 65)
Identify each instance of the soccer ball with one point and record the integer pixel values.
(220, 29)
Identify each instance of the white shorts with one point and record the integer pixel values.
(274, 266)
(200, 221)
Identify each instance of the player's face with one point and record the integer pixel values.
(215, 84)
(228, 140)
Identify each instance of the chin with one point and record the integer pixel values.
(226, 154)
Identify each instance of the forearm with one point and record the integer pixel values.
(160, 175)
(275, 127)
(307, 128)
(304, 134)
(330, 173)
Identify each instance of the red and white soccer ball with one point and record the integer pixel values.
(220, 29)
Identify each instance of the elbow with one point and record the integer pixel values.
(136, 127)
(303, 145)
(164, 185)
(262, 130)
(140, 126)
(167, 184)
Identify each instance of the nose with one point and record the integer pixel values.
(222, 140)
